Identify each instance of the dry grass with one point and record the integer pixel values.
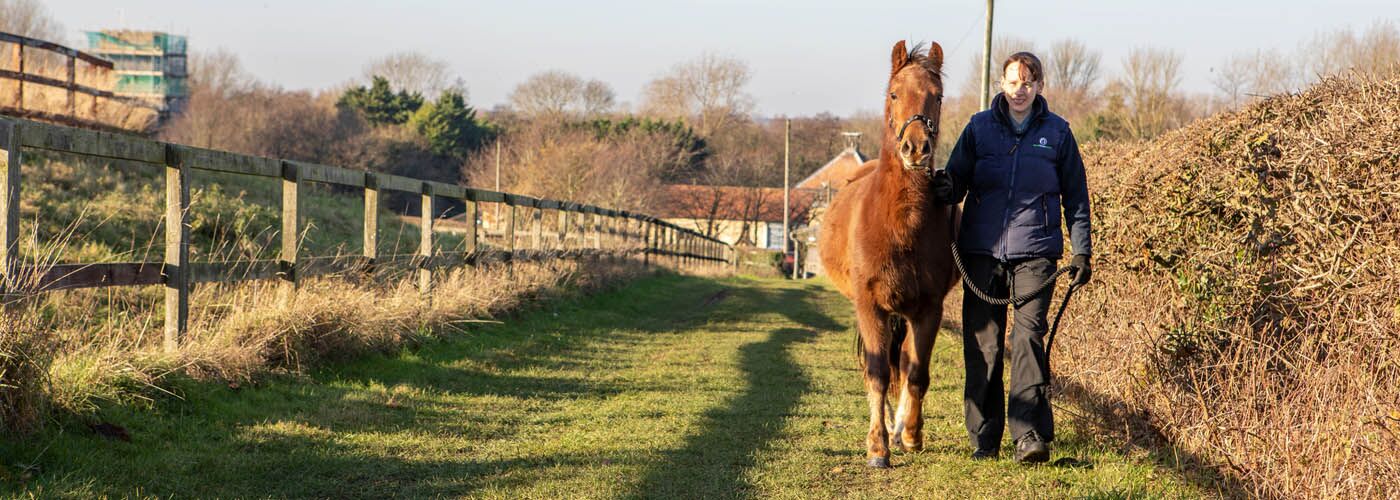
(1246, 308)
(24, 356)
(240, 331)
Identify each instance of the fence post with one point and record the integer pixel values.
(537, 228)
(685, 250)
(291, 225)
(563, 228)
(9, 208)
(425, 244)
(371, 231)
(610, 242)
(672, 240)
(666, 257)
(472, 210)
(72, 80)
(689, 249)
(510, 234)
(19, 88)
(597, 231)
(177, 250)
(625, 233)
(646, 243)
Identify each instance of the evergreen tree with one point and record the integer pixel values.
(450, 126)
(379, 104)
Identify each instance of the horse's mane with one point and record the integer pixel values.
(918, 54)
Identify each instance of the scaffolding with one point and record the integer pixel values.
(149, 65)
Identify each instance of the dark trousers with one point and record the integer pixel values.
(983, 329)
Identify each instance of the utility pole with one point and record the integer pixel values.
(787, 168)
(498, 179)
(987, 60)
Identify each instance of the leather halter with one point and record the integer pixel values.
(929, 133)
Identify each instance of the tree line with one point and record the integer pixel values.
(561, 135)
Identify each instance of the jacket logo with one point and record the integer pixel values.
(1042, 144)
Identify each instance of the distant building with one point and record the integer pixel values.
(734, 214)
(149, 65)
(837, 172)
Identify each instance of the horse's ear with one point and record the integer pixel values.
(899, 57)
(935, 57)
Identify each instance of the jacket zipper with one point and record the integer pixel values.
(1045, 212)
(1010, 197)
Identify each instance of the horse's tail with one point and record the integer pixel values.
(897, 331)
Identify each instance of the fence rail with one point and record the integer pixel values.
(603, 232)
(69, 83)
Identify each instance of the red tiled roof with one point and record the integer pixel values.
(685, 201)
(836, 172)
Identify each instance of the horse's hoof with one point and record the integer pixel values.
(879, 462)
(897, 446)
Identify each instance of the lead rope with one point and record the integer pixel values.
(1019, 299)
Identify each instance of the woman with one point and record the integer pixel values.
(1017, 164)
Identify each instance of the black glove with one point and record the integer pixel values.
(1081, 270)
(942, 187)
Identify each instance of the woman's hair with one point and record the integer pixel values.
(1030, 61)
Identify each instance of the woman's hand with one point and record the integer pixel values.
(942, 187)
(1082, 271)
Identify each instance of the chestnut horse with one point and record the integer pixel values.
(885, 243)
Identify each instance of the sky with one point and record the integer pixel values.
(806, 57)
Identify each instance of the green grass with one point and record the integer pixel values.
(671, 387)
(76, 210)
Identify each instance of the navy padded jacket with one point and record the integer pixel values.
(1017, 186)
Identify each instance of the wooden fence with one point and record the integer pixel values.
(71, 57)
(604, 232)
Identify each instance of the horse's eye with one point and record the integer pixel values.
(893, 97)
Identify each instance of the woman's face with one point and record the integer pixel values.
(1020, 91)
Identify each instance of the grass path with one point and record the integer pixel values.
(673, 387)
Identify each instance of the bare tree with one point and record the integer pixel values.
(555, 94)
(220, 72)
(1149, 85)
(416, 72)
(214, 117)
(596, 98)
(1072, 77)
(1246, 76)
(557, 160)
(29, 18)
(707, 92)
(1232, 79)
(1375, 51)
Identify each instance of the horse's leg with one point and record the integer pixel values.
(897, 328)
(900, 382)
(874, 336)
(918, 351)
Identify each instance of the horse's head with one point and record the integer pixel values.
(913, 103)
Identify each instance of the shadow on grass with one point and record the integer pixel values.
(1136, 429)
(304, 436)
(340, 432)
(714, 461)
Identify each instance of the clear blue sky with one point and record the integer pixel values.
(806, 56)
